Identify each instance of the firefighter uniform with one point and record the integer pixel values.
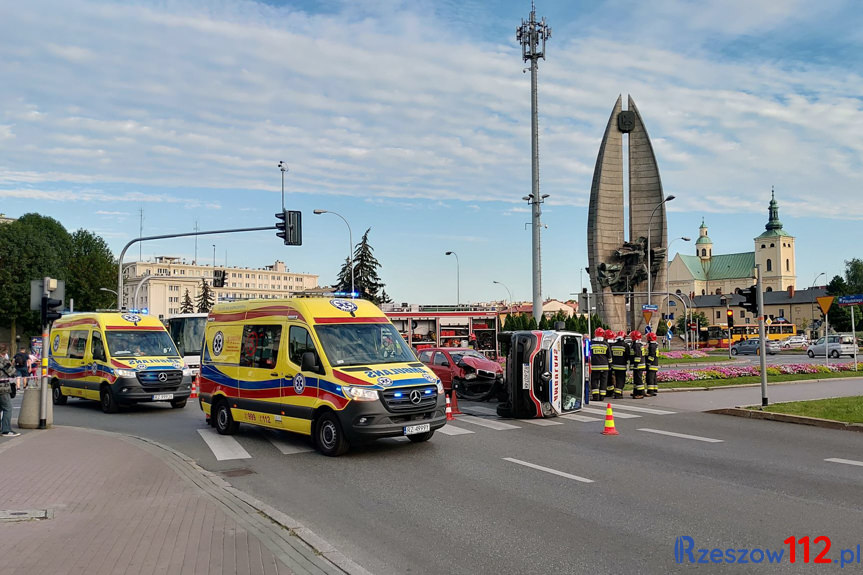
(598, 365)
(652, 364)
(637, 358)
(619, 361)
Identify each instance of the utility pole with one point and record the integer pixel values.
(762, 345)
(531, 35)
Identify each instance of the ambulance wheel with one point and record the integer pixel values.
(225, 423)
(178, 403)
(329, 437)
(106, 400)
(421, 437)
(57, 394)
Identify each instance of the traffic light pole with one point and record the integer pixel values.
(762, 344)
(43, 391)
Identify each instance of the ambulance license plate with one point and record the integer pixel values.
(163, 396)
(414, 429)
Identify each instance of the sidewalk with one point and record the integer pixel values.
(117, 504)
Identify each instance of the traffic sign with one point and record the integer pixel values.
(768, 321)
(647, 329)
(669, 323)
(825, 302)
(647, 315)
(844, 300)
(650, 307)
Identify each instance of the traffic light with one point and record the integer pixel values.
(290, 226)
(49, 309)
(218, 278)
(750, 300)
(730, 315)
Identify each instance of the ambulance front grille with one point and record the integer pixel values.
(172, 378)
(399, 399)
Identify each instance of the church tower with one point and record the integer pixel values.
(703, 245)
(774, 250)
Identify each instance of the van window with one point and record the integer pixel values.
(300, 343)
(261, 346)
(98, 347)
(138, 343)
(77, 344)
(363, 344)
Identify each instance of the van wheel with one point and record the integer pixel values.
(225, 423)
(178, 403)
(57, 394)
(329, 437)
(421, 437)
(834, 353)
(106, 399)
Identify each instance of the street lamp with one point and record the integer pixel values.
(649, 221)
(667, 266)
(812, 292)
(214, 258)
(113, 292)
(350, 243)
(504, 287)
(457, 279)
(284, 168)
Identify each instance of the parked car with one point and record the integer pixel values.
(472, 375)
(837, 344)
(752, 347)
(794, 341)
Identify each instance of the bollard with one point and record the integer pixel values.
(28, 415)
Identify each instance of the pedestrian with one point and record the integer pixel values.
(619, 360)
(637, 360)
(4, 352)
(34, 363)
(22, 366)
(7, 371)
(598, 365)
(652, 364)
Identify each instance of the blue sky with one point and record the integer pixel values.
(413, 118)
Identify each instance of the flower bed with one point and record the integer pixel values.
(682, 354)
(749, 370)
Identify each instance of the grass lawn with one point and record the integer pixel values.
(757, 379)
(846, 409)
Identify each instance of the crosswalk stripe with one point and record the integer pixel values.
(548, 470)
(479, 409)
(845, 461)
(542, 422)
(289, 447)
(640, 409)
(223, 446)
(490, 423)
(453, 430)
(577, 417)
(602, 412)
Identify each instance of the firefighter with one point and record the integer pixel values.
(598, 365)
(652, 364)
(619, 361)
(637, 357)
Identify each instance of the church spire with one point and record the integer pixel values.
(773, 222)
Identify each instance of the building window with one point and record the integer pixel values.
(703, 252)
(763, 246)
(718, 314)
(788, 265)
(771, 245)
(742, 314)
(769, 289)
(781, 312)
(718, 291)
(769, 265)
(703, 292)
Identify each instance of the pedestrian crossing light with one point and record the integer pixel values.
(49, 309)
(750, 300)
(290, 226)
(730, 315)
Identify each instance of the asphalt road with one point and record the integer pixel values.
(517, 499)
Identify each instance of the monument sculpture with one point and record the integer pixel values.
(618, 266)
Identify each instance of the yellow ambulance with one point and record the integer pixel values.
(116, 359)
(332, 368)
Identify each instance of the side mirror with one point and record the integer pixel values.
(308, 363)
(546, 376)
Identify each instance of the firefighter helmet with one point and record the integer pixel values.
(609, 335)
(599, 332)
(651, 336)
(621, 335)
(635, 335)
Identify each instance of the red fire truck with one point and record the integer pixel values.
(424, 326)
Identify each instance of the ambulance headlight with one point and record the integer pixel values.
(124, 372)
(360, 393)
(439, 387)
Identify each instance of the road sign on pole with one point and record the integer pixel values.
(824, 302)
(669, 323)
(845, 300)
(647, 315)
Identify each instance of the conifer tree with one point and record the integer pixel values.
(204, 300)
(187, 306)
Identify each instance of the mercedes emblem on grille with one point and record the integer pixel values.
(416, 396)
(163, 377)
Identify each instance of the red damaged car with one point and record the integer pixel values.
(474, 376)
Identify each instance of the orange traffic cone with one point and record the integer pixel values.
(609, 422)
(194, 394)
(449, 416)
(455, 409)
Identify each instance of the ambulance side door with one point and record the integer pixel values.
(300, 388)
(76, 352)
(258, 379)
(98, 358)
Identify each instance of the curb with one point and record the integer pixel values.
(740, 385)
(291, 527)
(786, 418)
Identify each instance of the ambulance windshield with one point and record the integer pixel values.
(363, 344)
(123, 343)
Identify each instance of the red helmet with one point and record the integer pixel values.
(609, 335)
(621, 335)
(635, 335)
(599, 332)
(651, 336)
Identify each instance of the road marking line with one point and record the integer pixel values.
(453, 430)
(643, 409)
(602, 412)
(683, 435)
(289, 447)
(491, 424)
(542, 422)
(577, 417)
(548, 470)
(223, 446)
(845, 461)
(485, 410)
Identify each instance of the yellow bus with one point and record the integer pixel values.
(717, 335)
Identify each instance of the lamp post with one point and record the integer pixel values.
(284, 168)
(667, 267)
(350, 243)
(504, 287)
(649, 221)
(812, 292)
(457, 279)
(113, 292)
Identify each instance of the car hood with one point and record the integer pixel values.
(485, 364)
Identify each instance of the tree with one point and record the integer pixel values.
(385, 298)
(366, 278)
(697, 318)
(204, 300)
(854, 275)
(91, 265)
(187, 306)
(343, 280)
